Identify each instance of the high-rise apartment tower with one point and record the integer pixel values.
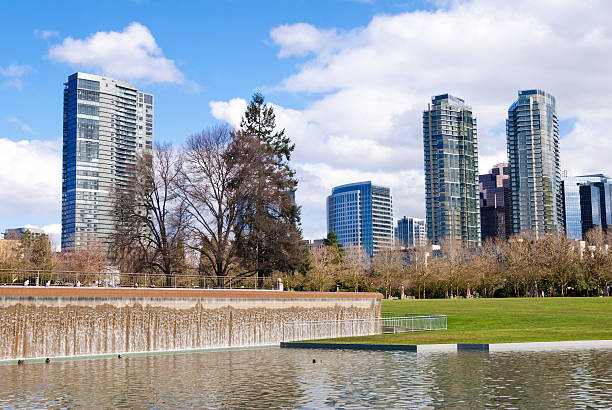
(451, 171)
(361, 214)
(107, 123)
(533, 154)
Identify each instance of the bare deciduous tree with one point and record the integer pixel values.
(323, 272)
(451, 268)
(151, 215)
(355, 262)
(419, 270)
(387, 266)
(487, 264)
(558, 257)
(211, 188)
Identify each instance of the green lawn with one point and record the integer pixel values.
(502, 320)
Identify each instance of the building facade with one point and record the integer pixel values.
(17, 233)
(107, 123)
(451, 171)
(411, 232)
(533, 153)
(495, 221)
(314, 243)
(587, 203)
(361, 214)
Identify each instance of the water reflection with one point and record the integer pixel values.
(288, 378)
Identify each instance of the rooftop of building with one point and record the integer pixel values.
(23, 229)
(585, 177)
(447, 97)
(96, 77)
(526, 93)
(357, 185)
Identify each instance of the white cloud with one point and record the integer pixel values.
(302, 39)
(131, 54)
(30, 177)
(14, 72)
(53, 229)
(23, 126)
(230, 112)
(15, 82)
(45, 34)
(367, 88)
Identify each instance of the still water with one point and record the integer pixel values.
(288, 378)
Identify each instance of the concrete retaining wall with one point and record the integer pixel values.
(50, 322)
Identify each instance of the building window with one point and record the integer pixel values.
(87, 150)
(88, 128)
(88, 95)
(89, 84)
(88, 109)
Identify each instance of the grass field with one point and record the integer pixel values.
(502, 320)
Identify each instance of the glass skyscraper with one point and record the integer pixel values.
(361, 214)
(451, 171)
(533, 153)
(411, 232)
(107, 123)
(587, 203)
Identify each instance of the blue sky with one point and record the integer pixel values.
(349, 80)
(223, 46)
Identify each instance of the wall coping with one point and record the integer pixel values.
(87, 292)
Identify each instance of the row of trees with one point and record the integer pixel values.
(552, 266)
(34, 252)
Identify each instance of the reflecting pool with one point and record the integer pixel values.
(289, 378)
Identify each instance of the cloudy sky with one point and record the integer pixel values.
(349, 81)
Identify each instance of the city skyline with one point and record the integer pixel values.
(350, 121)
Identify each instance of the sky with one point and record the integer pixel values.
(348, 79)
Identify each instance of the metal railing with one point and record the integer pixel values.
(415, 323)
(21, 277)
(331, 329)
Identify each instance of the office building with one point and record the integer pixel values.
(587, 203)
(533, 154)
(410, 232)
(495, 221)
(17, 233)
(107, 123)
(451, 171)
(361, 214)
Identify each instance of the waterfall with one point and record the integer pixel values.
(51, 328)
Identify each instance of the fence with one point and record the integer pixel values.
(330, 329)
(20, 277)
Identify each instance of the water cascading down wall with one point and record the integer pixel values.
(40, 322)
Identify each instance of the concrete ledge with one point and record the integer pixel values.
(473, 346)
(437, 348)
(350, 346)
(85, 292)
(451, 347)
(543, 346)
